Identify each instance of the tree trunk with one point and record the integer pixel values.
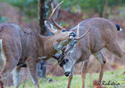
(44, 8)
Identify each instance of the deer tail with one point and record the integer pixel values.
(118, 27)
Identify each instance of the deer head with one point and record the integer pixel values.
(65, 59)
(61, 36)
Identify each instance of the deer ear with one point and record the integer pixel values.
(50, 27)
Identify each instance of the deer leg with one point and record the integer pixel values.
(16, 76)
(115, 49)
(100, 57)
(84, 68)
(8, 67)
(70, 78)
(31, 67)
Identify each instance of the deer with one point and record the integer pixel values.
(19, 46)
(102, 34)
(22, 47)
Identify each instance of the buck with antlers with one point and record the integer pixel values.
(102, 34)
(20, 47)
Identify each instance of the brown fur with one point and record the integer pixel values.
(102, 34)
(25, 47)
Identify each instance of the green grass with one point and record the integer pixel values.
(61, 81)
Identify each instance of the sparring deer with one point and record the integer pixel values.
(102, 34)
(23, 47)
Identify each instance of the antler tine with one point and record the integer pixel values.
(78, 30)
(78, 38)
(52, 15)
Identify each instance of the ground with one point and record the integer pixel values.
(117, 76)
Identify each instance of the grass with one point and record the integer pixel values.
(117, 76)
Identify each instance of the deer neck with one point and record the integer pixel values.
(49, 45)
(75, 54)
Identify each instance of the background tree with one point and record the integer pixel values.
(92, 6)
(44, 7)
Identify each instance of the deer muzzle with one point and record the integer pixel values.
(67, 74)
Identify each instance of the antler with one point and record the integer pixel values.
(58, 26)
(78, 38)
(77, 34)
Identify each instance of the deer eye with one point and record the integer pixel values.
(63, 30)
(61, 63)
(66, 60)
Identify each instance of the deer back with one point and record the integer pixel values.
(101, 31)
(19, 42)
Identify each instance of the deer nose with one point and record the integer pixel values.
(67, 74)
(72, 34)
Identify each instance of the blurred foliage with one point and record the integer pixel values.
(86, 5)
(90, 5)
(29, 7)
